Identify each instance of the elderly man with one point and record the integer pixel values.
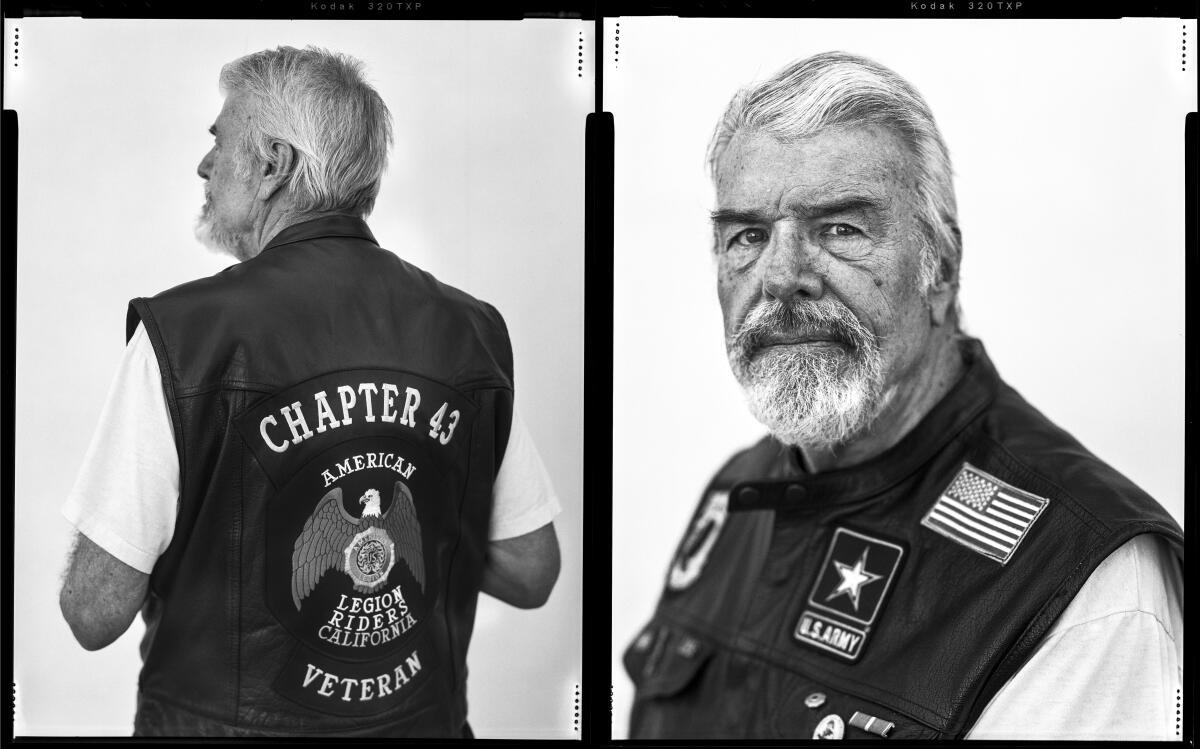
(309, 465)
(914, 552)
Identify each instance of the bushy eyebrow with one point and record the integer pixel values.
(843, 205)
(724, 216)
(847, 204)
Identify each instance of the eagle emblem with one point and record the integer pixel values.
(364, 548)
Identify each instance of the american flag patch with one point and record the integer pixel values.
(983, 513)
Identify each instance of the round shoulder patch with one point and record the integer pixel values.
(698, 544)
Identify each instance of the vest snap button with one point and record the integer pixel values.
(830, 727)
(748, 496)
(795, 493)
(814, 700)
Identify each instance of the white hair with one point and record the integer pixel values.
(319, 103)
(839, 90)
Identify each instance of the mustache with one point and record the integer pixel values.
(771, 322)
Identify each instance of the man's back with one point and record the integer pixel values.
(341, 417)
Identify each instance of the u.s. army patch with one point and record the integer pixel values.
(852, 585)
(984, 514)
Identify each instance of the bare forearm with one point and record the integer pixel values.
(522, 571)
(512, 592)
(100, 595)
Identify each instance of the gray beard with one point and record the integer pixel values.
(811, 396)
(221, 240)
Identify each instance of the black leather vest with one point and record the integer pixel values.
(890, 599)
(340, 416)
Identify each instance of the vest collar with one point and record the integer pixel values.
(966, 400)
(325, 226)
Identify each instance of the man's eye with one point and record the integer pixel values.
(749, 237)
(841, 230)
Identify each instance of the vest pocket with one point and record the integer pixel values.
(664, 660)
(665, 664)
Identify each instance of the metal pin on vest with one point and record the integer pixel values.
(871, 724)
(688, 647)
(830, 727)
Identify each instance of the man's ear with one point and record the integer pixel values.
(276, 170)
(942, 294)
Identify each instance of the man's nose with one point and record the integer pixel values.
(791, 267)
(205, 167)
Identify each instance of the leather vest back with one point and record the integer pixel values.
(868, 602)
(340, 416)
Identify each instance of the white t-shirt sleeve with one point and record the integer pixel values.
(126, 496)
(1111, 667)
(523, 498)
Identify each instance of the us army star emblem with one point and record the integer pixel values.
(853, 579)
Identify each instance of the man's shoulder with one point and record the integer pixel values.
(753, 461)
(423, 284)
(219, 281)
(453, 296)
(201, 295)
(227, 286)
(1030, 451)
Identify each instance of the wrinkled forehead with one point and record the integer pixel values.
(236, 111)
(760, 170)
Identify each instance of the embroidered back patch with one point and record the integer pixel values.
(364, 465)
(984, 513)
(352, 575)
(849, 593)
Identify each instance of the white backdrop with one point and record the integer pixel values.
(484, 189)
(1067, 142)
